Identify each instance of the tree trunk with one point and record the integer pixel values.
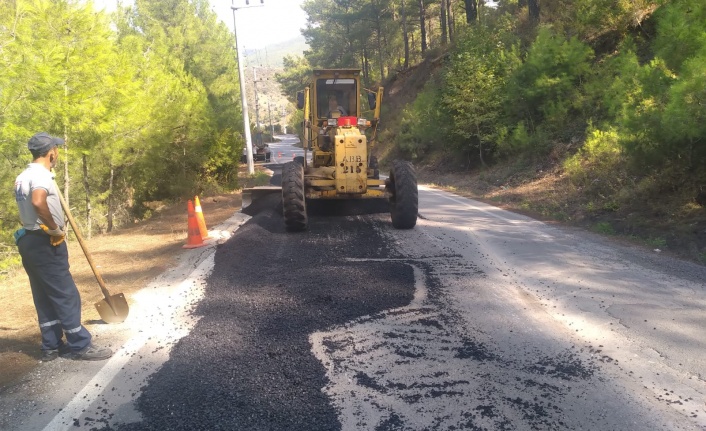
(442, 11)
(405, 36)
(87, 189)
(378, 30)
(450, 17)
(471, 11)
(111, 210)
(533, 6)
(480, 147)
(423, 25)
(366, 65)
(384, 50)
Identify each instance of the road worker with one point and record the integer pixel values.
(45, 257)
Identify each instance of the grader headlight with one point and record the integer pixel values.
(332, 122)
(362, 122)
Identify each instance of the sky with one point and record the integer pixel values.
(273, 22)
(267, 24)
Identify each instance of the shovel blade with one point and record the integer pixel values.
(118, 313)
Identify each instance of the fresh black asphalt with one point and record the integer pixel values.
(248, 365)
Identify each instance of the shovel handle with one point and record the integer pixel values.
(72, 222)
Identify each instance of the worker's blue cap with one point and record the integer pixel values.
(42, 142)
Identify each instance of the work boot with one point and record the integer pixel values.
(50, 355)
(92, 353)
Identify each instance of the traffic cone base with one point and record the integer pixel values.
(199, 218)
(193, 239)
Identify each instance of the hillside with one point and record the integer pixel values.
(261, 66)
(272, 55)
(666, 221)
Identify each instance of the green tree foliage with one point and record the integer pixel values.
(546, 89)
(681, 33)
(475, 89)
(148, 103)
(639, 97)
(656, 108)
(589, 19)
(294, 77)
(378, 36)
(422, 120)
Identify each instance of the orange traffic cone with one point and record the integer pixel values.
(200, 219)
(194, 239)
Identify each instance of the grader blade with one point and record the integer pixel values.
(253, 194)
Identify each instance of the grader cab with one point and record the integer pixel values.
(340, 137)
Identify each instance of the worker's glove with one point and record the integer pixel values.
(57, 235)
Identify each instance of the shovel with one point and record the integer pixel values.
(113, 308)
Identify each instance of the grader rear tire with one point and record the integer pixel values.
(404, 196)
(293, 200)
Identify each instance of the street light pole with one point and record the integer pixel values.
(243, 98)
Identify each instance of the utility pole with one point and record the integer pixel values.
(258, 132)
(284, 119)
(269, 112)
(243, 98)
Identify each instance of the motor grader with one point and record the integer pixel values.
(340, 139)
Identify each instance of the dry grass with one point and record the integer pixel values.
(669, 221)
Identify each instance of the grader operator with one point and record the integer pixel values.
(336, 131)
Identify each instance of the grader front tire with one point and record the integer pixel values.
(293, 199)
(404, 195)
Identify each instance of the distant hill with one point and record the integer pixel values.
(272, 55)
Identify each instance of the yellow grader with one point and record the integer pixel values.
(341, 164)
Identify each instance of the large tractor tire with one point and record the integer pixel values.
(373, 163)
(293, 200)
(403, 195)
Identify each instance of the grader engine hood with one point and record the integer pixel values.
(351, 155)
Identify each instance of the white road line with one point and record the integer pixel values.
(94, 388)
(174, 314)
(465, 202)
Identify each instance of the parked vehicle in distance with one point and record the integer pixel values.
(259, 154)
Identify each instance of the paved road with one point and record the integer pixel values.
(285, 149)
(476, 319)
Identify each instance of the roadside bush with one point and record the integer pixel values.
(614, 81)
(221, 165)
(599, 161)
(295, 122)
(657, 108)
(423, 125)
(547, 89)
(474, 91)
(587, 19)
(680, 31)
(518, 140)
(683, 125)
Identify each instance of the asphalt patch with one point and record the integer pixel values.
(248, 363)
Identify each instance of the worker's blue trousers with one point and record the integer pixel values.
(56, 297)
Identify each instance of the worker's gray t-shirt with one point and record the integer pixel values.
(35, 177)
